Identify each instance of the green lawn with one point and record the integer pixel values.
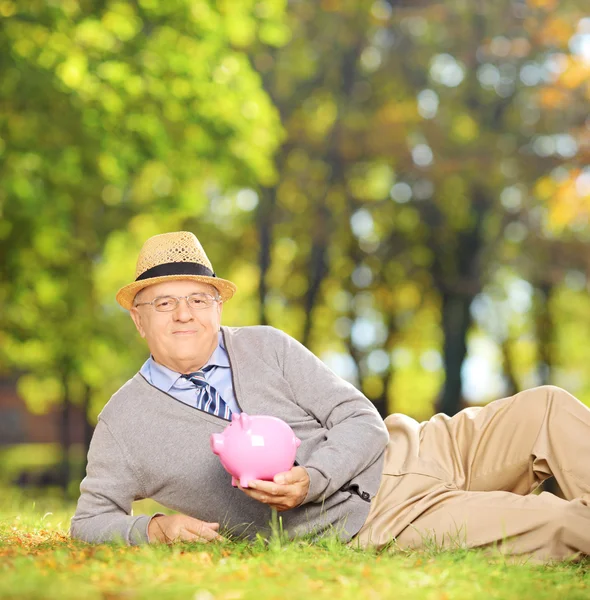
(38, 560)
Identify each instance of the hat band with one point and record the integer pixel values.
(176, 268)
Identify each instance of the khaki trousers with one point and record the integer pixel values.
(466, 481)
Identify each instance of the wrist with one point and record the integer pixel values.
(155, 531)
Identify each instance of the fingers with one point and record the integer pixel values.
(263, 491)
(283, 478)
(205, 531)
(267, 487)
(280, 497)
(184, 535)
(175, 528)
(294, 475)
(287, 490)
(204, 535)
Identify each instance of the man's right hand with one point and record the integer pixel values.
(174, 528)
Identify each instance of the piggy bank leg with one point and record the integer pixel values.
(234, 481)
(244, 480)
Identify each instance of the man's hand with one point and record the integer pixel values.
(174, 528)
(286, 491)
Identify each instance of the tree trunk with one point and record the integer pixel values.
(456, 321)
(65, 438)
(318, 269)
(381, 403)
(545, 327)
(88, 427)
(508, 368)
(265, 226)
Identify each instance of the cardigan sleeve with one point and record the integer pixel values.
(107, 492)
(356, 435)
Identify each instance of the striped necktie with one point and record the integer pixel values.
(208, 398)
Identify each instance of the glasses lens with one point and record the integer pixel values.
(200, 300)
(165, 303)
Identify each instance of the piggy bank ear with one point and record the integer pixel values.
(235, 417)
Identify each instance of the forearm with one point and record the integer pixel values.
(352, 436)
(111, 527)
(348, 450)
(107, 493)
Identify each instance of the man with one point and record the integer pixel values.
(465, 479)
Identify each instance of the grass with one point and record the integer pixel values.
(39, 560)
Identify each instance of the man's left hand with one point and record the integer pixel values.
(287, 490)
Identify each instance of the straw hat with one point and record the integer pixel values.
(172, 256)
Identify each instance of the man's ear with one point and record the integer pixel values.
(136, 316)
(219, 309)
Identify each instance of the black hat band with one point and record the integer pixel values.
(176, 268)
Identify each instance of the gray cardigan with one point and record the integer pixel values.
(147, 444)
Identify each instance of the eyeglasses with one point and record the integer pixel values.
(196, 301)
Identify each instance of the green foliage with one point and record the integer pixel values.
(363, 171)
(415, 154)
(119, 120)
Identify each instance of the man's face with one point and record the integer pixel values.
(182, 339)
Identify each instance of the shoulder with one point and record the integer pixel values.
(256, 334)
(124, 400)
(266, 343)
(260, 343)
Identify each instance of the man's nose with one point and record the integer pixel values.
(182, 312)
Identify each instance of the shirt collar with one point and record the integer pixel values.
(164, 378)
(219, 358)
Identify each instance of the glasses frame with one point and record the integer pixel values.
(179, 298)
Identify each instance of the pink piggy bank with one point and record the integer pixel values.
(255, 447)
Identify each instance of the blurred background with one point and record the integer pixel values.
(402, 186)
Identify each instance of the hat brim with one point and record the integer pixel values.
(126, 294)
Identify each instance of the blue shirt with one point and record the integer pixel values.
(171, 382)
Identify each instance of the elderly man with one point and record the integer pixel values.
(462, 480)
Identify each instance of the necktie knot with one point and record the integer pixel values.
(208, 398)
(198, 378)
